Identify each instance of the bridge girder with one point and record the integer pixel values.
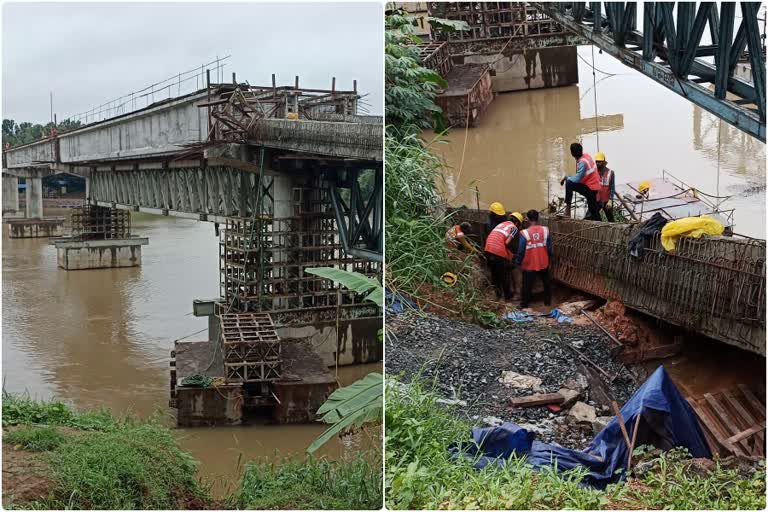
(669, 50)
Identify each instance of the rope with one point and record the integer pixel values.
(719, 125)
(594, 87)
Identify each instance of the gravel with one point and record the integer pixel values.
(466, 361)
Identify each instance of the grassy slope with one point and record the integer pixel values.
(98, 461)
(313, 484)
(420, 473)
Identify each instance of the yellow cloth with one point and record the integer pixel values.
(689, 226)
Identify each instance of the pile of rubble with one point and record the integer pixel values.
(489, 374)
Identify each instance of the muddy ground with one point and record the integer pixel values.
(465, 362)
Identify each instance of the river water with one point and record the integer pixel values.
(520, 148)
(102, 338)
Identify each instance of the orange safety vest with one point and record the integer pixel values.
(536, 256)
(591, 177)
(604, 194)
(453, 235)
(497, 240)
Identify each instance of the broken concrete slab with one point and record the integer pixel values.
(582, 413)
(578, 383)
(570, 396)
(600, 423)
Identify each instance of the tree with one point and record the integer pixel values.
(361, 402)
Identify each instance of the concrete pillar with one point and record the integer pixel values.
(282, 192)
(34, 194)
(10, 193)
(87, 188)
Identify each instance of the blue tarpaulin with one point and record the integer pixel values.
(666, 421)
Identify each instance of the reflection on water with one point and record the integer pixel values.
(102, 338)
(519, 150)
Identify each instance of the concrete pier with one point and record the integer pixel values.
(35, 228)
(295, 398)
(92, 254)
(520, 70)
(11, 197)
(34, 192)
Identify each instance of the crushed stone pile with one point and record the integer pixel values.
(479, 370)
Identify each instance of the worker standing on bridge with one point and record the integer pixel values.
(533, 255)
(586, 182)
(499, 257)
(607, 186)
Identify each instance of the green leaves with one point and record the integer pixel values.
(351, 407)
(352, 280)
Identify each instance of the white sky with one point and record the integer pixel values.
(90, 53)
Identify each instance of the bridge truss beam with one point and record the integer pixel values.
(669, 50)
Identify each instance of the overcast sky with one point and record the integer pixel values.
(90, 53)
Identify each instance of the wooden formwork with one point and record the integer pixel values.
(733, 421)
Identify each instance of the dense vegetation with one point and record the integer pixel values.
(25, 132)
(97, 461)
(420, 474)
(415, 227)
(94, 460)
(313, 484)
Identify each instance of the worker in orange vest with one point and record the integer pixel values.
(607, 186)
(586, 182)
(456, 236)
(533, 254)
(499, 257)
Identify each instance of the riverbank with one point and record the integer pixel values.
(55, 457)
(421, 474)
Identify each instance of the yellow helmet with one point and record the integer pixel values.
(645, 185)
(449, 278)
(518, 216)
(497, 208)
(600, 157)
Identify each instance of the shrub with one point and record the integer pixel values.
(311, 484)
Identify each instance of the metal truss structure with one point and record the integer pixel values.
(493, 25)
(359, 208)
(203, 193)
(263, 261)
(670, 50)
(91, 222)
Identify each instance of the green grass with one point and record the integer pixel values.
(311, 484)
(107, 463)
(23, 410)
(421, 475)
(134, 467)
(35, 439)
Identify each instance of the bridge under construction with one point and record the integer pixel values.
(290, 176)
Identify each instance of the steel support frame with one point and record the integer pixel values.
(203, 193)
(677, 59)
(360, 219)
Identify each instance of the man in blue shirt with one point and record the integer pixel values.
(586, 182)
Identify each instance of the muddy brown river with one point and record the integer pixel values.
(102, 338)
(520, 149)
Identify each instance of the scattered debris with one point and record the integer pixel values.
(600, 423)
(460, 403)
(570, 396)
(516, 380)
(538, 399)
(468, 362)
(582, 413)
